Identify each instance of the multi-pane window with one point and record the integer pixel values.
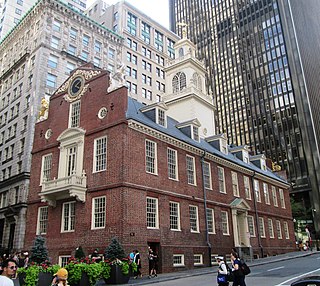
(197, 259)
(174, 216)
(179, 82)
(72, 50)
(191, 175)
(68, 216)
(286, 230)
(46, 168)
(172, 164)
(98, 212)
(52, 62)
(171, 48)
(194, 221)
(222, 188)
(224, 223)
(74, 114)
(161, 117)
(151, 157)
(266, 193)
(207, 176)
(42, 220)
(100, 154)
(251, 226)
(257, 191)
(145, 32)
(73, 33)
(97, 46)
(235, 186)
(51, 80)
(274, 196)
(247, 190)
(152, 213)
(270, 226)
(70, 67)
(71, 160)
(56, 25)
(178, 260)
(158, 41)
(85, 40)
(132, 24)
(210, 221)
(195, 133)
(261, 227)
(279, 232)
(64, 260)
(282, 202)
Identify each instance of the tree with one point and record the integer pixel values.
(79, 253)
(114, 250)
(39, 251)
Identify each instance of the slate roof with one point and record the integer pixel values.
(134, 113)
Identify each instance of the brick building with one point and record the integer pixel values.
(105, 165)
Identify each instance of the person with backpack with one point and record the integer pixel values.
(222, 277)
(238, 275)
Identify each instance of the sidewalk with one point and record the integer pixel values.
(207, 270)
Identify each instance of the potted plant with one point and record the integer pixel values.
(119, 262)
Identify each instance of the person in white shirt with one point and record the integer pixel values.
(222, 272)
(9, 267)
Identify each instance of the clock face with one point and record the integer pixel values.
(76, 86)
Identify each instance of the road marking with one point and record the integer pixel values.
(275, 268)
(302, 275)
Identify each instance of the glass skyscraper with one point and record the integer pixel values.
(263, 57)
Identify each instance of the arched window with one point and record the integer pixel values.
(181, 53)
(179, 82)
(197, 81)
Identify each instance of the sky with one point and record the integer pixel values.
(158, 10)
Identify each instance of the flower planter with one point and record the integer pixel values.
(116, 276)
(44, 279)
(84, 281)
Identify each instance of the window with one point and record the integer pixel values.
(266, 193)
(251, 226)
(145, 32)
(286, 230)
(152, 213)
(56, 25)
(178, 260)
(179, 82)
(42, 220)
(111, 53)
(247, 187)
(73, 33)
(161, 117)
(85, 40)
(235, 186)
(224, 223)
(46, 168)
(72, 50)
(274, 196)
(74, 120)
(97, 46)
(194, 222)
(174, 216)
(172, 164)
(151, 157)
(98, 212)
(68, 216)
(100, 154)
(195, 133)
(71, 161)
(70, 67)
(51, 80)
(52, 62)
(63, 260)
(207, 176)
(158, 41)
(261, 227)
(257, 191)
(191, 175)
(222, 188)
(270, 226)
(131, 24)
(84, 55)
(197, 259)
(210, 221)
(279, 232)
(282, 202)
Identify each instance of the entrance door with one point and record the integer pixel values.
(155, 246)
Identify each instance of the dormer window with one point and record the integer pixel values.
(219, 142)
(156, 112)
(179, 82)
(195, 133)
(190, 128)
(161, 117)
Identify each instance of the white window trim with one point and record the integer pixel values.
(279, 229)
(257, 191)
(235, 182)
(179, 224)
(266, 193)
(274, 196)
(282, 200)
(61, 257)
(245, 178)
(227, 222)
(224, 181)
(95, 155)
(210, 176)
(155, 155)
(42, 166)
(70, 113)
(261, 223)
(271, 234)
(194, 171)
(157, 213)
(213, 221)
(38, 221)
(182, 260)
(176, 164)
(62, 217)
(197, 219)
(92, 213)
(253, 226)
(286, 230)
(201, 259)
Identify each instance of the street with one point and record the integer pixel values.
(281, 273)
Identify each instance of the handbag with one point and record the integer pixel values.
(221, 278)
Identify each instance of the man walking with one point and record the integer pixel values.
(9, 267)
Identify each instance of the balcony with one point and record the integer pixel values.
(64, 188)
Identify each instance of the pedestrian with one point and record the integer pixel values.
(9, 268)
(131, 256)
(95, 255)
(60, 278)
(137, 260)
(152, 263)
(222, 272)
(155, 264)
(26, 259)
(238, 276)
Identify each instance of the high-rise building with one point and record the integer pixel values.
(148, 46)
(36, 57)
(11, 12)
(263, 62)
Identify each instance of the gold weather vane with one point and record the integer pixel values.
(184, 28)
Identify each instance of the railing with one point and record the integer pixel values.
(64, 183)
